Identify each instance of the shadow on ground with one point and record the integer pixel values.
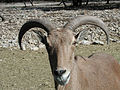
(91, 6)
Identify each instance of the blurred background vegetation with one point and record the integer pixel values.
(51, 0)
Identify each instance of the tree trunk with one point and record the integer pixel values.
(75, 2)
(87, 2)
(107, 1)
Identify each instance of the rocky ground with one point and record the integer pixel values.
(16, 15)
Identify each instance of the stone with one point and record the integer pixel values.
(16, 17)
(34, 48)
(98, 42)
(85, 42)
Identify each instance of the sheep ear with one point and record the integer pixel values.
(80, 36)
(40, 35)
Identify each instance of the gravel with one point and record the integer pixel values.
(16, 16)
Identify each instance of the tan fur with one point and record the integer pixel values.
(60, 48)
(98, 72)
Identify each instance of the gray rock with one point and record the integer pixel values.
(85, 42)
(118, 41)
(16, 17)
(98, 42)
(34, 48)
(23, 47)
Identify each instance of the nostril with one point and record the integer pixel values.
(62, 71)
(59, 72)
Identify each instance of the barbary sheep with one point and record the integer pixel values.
(99, 71)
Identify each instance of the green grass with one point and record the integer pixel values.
(30, 70)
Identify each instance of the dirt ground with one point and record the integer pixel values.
(24, 70)
(30, 70)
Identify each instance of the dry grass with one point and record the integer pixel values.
(30, 70)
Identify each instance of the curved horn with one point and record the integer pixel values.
(82, 20)
(41, 23)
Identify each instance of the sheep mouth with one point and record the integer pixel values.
(63, 79)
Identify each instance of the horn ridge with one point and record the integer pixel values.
(41, 23)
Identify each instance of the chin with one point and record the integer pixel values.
(63, 79)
